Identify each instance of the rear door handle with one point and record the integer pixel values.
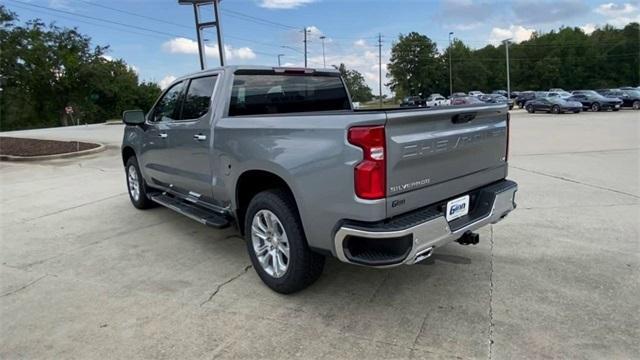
(200, 137)
(163, 135)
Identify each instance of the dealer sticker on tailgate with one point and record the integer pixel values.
(457, 208)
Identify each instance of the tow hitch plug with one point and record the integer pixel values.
(469, 238)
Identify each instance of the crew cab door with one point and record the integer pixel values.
(154, 156)
(191, 140)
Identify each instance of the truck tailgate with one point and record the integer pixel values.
(433, 155)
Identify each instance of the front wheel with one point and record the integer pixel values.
(636, 105)
(277, 245)
(555, 109)
(595, 107)
(136, 185)
(529, 109)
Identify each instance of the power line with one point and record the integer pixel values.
(37, 11)
(97, 19)
(162, 21)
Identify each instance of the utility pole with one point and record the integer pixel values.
(450, 70)
(324, 60)
(380, 67)
(506, 47)
(279, 56)
(305, 46)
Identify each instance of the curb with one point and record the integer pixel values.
(100, 148)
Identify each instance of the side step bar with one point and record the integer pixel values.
(192, 211)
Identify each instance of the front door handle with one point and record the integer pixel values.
(200, 137)
(163, 135)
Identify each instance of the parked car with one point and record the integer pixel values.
(562, 94)
(466, 100)
(436, 100)
(475, 93)
(253, 147)
(515, 94)
(593, 101)
(553, 104)
(412, 101)
(630, 98)
(523, 97)
(556, 90)
(500, 92)
(497, 99)
(457, 94)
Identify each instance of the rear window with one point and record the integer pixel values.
(281, 94)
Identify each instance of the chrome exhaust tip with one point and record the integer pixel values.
(422, 255)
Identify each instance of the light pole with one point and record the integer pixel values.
(324, 60)
(450, 71)
(200, 26)
(279, 56)
(506, 47)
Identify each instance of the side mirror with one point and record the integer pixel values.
(133, 117)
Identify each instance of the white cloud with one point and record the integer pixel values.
(187, 46)
(588, 28)
(284, 4)
(467, 26)
(166, 81)
(360, 43)
(107, 57)
(613, 10)
(619, 14)
(517, 33)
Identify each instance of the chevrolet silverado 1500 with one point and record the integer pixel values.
(281, 154)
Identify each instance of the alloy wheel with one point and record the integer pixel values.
(270, 243)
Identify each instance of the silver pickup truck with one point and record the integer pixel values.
(281, 154)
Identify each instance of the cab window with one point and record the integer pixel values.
(198, 99)
(168, 106)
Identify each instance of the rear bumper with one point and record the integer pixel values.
(411, 237)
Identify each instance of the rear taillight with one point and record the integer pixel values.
(506, 153)
(370, 177)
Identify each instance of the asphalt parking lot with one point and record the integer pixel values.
(85, 275)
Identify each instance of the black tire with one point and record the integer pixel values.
(304, 266)
(142, 201)
(576, 111)
(636, 105)
(555, 109)
(529, 109)
(615, 109)
(595, 107)
(520, 105)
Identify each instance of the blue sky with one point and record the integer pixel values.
(350, 27)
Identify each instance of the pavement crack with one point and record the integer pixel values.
(221, 285)
(575, 181)
(491, 324)
(23, 287)
(74, 207)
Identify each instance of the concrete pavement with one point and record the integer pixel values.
(85, 275)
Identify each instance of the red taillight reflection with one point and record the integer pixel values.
(370, 177)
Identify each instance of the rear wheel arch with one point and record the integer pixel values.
(252, 182)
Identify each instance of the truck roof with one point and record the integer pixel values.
(234, 68)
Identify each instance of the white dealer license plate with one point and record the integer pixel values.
(457, 208)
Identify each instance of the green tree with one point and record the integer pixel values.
(415, 66)
(45, 68)
(356, 84)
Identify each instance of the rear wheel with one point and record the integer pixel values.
(277, 245)
(595, 107)
(136, 185)
(555, 109)
(636, 105)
